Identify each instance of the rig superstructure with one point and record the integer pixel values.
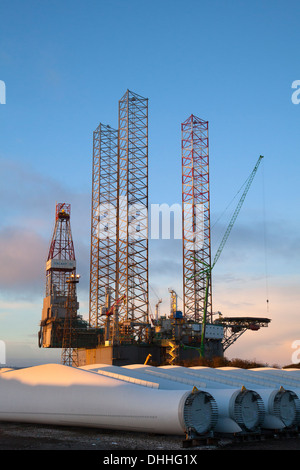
(120, 329)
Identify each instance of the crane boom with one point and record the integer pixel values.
(111, 310)
(236, 212)
(208, 269)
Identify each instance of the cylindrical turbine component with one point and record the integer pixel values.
(243, 406)
(239, 409)
(287, 407)
(287, 377)
(267, 375)
(200, 412)
(62, 395)
(200, 408)
(280, 404)
(217, 380)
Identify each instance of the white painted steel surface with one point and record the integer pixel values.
(234, 411)
(243, 411)
(62, 395)
(279, 401)
(244, 406)
(165, 400)
(207, 410)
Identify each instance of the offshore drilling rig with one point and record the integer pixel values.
(119, 330)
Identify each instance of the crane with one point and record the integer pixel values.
(111, 309)
(207, 269)
(156, 308)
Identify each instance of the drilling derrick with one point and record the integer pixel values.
(61, 326)
(103, 269)
(196, 218)
(60, 266)
(132, 223)
(61, 258)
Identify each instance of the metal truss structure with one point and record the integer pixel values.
(196, 219)
(103, 267)
(61, 258)
(69, 354)
(119, 225)
(132, 229)
(234, 327)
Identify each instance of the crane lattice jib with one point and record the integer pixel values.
(236, 212)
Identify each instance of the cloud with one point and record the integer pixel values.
(25, 354)
(28, 198)
(27, 221)
(25, 195)
(22, 256)
(272, 345)
(165, 258)
(26, 226)
(278, 232)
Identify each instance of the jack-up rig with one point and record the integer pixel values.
(120, 329)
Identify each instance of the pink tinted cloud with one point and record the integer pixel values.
(22, 257)
(271, 345)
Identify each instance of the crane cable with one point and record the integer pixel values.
(236, 212)
(229, 204)
(265, 238)
(264, 229)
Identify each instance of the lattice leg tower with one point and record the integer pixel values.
(133, 218)
(195, 217)
(69, 354)
(103, 260)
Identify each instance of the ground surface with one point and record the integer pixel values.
(16, 436)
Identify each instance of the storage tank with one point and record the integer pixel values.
(62, 395)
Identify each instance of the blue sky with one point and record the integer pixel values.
(66, 64)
